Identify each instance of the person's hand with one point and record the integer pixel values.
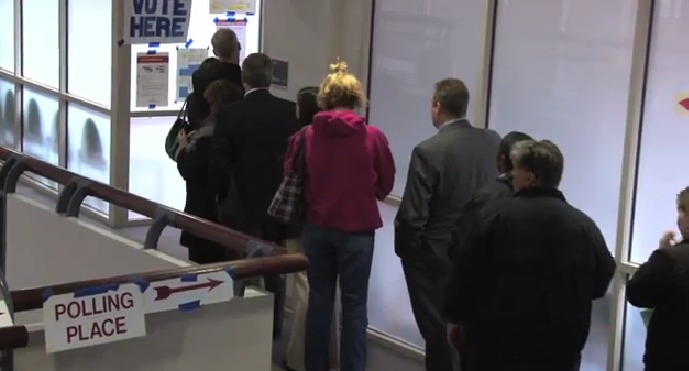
(667, 240)
(182, 138)
(454, 335)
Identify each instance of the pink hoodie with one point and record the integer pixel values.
(350, 166)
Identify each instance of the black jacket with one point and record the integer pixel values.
(197, 107)
(524, 281)
(250, 142)
(662, 283)
(499, 189)
(192, 164)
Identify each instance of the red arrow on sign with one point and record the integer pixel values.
(164, 292)
(684, 103)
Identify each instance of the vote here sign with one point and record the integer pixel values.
(73, 322)
(163, 21)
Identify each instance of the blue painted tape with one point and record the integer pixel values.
(250, 13)
(230, 271)
(47, 293)
(230, 14)
(215, 20)
(151, 106)
(150, 52)
(189, 277)
(96, 290)
(187, 307)
(142, 283)
(188, 43)
(154, 44)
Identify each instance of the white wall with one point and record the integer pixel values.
(235, 335)
(44, 248)
(312, 34)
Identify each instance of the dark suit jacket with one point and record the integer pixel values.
(250, 141)
(444, 171)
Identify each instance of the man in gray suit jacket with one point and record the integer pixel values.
(444, 171)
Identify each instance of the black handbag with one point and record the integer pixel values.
(181, 122)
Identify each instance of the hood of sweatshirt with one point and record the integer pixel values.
(338, 123)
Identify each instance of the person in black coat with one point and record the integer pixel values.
(250, 141)
(193, 158)
(662, 284)
(522, 287)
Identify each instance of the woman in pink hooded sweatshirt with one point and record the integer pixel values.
(349, 168)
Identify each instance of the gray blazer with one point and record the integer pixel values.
(444, 171)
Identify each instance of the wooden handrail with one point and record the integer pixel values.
(199, 227)
(13, 337)
(30, 299)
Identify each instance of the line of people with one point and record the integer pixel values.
(501, 271)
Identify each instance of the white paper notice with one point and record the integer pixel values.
(189, 292)
(188, 61)
(239, 28)
(238, 6)
(102, 316)
(152, 79)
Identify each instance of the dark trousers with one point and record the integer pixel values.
(472, 361)
(336, 254)
(426, 285)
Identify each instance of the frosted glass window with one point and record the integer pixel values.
(7, 114)
(566, 78)
(88, 148)
(415, 44)
(40, 128)
(201, 28)
(7, 35)
(151, 172)
(89, 39)
(634, 340)
(40, 48)
(665, 130)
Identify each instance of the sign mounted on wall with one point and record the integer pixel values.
(161, 21)
(233, 6)
(189, 292)
(96, 316)
(682, 104)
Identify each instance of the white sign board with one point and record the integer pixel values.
(163, 21)
(236, 6)
(5, 317)
(187, 293)
(188, 61)
(152, 79)
(239, 28)
(72, 321)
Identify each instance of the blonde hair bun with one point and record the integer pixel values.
(339, 67)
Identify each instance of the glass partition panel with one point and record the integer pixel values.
(40, 41)
(7, 35)
(665, 129)
(572, 87)
(7, 114)
(89, 42)
(634, 340)
(88, 148)
(201, 28)
(152, 174)
(40, 128)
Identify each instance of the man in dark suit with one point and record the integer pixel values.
(522, 287)
(500, 188)
(251, 138)
(444, 171)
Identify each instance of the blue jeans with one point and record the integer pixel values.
(349, 256)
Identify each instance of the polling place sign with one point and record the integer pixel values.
(93, 316)
(161, 21)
